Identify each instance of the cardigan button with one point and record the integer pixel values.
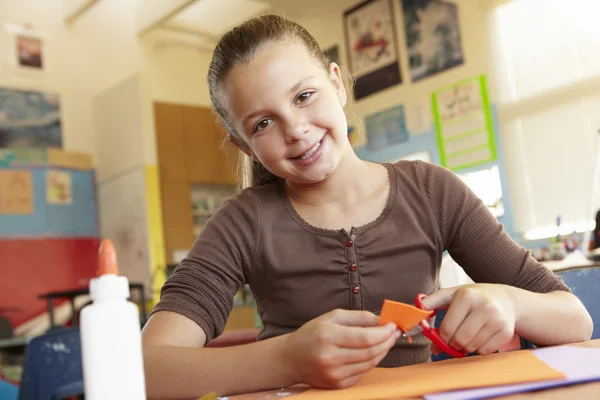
(355, 289)
(352, 267)
(349, 243)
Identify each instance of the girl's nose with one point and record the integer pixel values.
(295, 130)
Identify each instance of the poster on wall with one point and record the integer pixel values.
(16, 192)
(372, 48)
(386, 128)
(432, 37)
(59, 189)
(333, 54)
(29, 51)
(465, 132)
(29, 119)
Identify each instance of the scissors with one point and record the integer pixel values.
(430, 332)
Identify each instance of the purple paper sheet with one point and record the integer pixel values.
(579, 364)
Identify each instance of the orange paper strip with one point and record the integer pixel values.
(460, 373)
(403, 315)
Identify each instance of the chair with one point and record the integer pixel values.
(585, 284)
(8, 391)
(53, 368)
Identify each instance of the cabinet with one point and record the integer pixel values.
(178, 224)
(190, 152)
(168, 120)
(206, 159)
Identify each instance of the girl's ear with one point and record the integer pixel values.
(240, 144)
(335, 73)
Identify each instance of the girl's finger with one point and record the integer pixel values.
(353, 372)
(355, 337)
(485, 334)
(434, 349)
(472, 325)
(495, 342)
(353, 318)
(352, 356)
(453, 319)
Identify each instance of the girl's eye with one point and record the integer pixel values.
(304, 96)
(262, 124)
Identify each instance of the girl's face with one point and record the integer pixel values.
(289, 113)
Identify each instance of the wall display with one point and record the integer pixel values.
(418, 156)
(333, 54)
(58, 187)
(29, 119)
(16, 192)
(29, 51)
(465, 132)
(432, 37)
(372, 47)
(386, 128)
(419, 118)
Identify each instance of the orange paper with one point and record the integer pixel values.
(403, 315)
(459, 373)
(16, 192)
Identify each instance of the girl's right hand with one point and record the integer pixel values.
(336, 349)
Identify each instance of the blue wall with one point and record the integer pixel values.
(428, 142)
(78, 219)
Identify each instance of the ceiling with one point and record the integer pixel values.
(215, 17)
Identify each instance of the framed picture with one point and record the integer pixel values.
(30, 119)
(372, 47)
(29, 51)
(432, 37)
(386, 128)
(333, 54)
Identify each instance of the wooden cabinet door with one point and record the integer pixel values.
(168, 119)
(178, 225)
(206, 160)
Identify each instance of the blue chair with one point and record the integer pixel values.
(52, 369)
(585, 284)
(8, 391)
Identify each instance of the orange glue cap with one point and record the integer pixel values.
(107, 259)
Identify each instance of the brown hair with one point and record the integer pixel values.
(238, 47)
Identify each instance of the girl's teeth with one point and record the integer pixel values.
(311, 151)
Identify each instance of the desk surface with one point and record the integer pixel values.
(581, 391)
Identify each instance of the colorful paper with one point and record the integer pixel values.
(403, 315)
(579, 365)
(59, 189)
(16, 192)
(421, 379)
(69, 159)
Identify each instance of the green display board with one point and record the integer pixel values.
(465, 132)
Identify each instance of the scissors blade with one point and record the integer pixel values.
(412, 332)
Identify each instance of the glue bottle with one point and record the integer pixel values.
(111, 343)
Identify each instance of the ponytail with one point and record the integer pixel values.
(252, 173)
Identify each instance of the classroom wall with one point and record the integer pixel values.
(327, 28)
(66, 72)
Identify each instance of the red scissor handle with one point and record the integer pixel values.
(433, 334)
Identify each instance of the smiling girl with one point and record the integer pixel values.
(323, 237)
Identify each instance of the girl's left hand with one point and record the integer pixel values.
(480, 317)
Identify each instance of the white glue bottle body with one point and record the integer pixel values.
(111, 343)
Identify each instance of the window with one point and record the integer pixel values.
(546, 81)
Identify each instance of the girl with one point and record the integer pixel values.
(323, 238)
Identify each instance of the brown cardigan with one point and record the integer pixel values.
(298, 272)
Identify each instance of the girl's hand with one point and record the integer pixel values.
(336, 349)
(480, 317)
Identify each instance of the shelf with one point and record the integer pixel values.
(197, 213)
